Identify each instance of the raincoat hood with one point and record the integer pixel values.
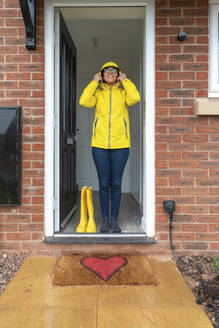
(108, 64)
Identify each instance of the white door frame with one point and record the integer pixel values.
(50, 202)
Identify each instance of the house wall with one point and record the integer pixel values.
(187, 148)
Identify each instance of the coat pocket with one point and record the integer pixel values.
(95, 126)
(125, 127)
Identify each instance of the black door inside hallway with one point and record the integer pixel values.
(68, 186)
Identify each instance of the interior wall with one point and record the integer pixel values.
(91, 54)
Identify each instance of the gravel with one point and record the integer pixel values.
(199, 273)
(9, 264)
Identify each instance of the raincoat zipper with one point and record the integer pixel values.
(110, 119)
(125, 127)
(95, 125)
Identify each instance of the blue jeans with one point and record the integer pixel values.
(110, 164)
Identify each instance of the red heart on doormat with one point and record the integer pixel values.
(104, 267)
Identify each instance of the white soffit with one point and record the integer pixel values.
(104, 13)
(213, 2)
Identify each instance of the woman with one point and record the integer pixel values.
(110, 92)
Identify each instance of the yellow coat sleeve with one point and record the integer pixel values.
(132, 95)
(88, 98)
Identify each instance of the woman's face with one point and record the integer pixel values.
(110, 75)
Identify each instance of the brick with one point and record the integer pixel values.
(31, 209)
(195, 245)
(8, 227)
(37, 236)
(202, 76)
(181, 21)
(17, 218)
(181, 146)
(181, 182)
(195, 138)
(181, 164)
(195, 191)
(8, 67)
(168, 67)
(195, 12)
(213, 191)
(196, 155)
(37, 218)
(207, 164)
(202, 3)
(201, 93)
(208, 200)
(31, 227)
(167, 155)
(8, 31)
(183, 236)
(181, 111)
(17, 94)
(14, 22)
(181, 57)
(214, 246)
(168, 191)
(167, 138)
(195, 209)
(202, 39)
(214, 227)
(181, 93)
(12, 4)
(203, 21)
(181, 129)
(31, 67)
(195, 67)
(207, 236)
(168, 84)
(194, 227)
(214, 173)
(196, 30)
(182, 3)
(195, 84)
(161, 76)
(207, 218)
(168, 102)
(168, 173)
(161, 164)
(167, 49)
(208, 147)
(31, 84)
(160, 21)
(182, 75)
(183, 218)
(174, 40)
(195, 173)
(168, 12)
(18, 236)
(195, 48)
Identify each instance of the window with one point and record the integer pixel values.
(214, 48)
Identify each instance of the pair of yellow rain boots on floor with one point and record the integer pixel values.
(86, 225)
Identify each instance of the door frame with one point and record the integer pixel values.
(52, 123)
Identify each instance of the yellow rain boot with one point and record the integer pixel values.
(83, 220)
(91, 226)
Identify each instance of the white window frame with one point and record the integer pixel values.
(149, 103)
(214, 56)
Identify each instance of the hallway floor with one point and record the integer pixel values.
(31, 301)
(129, 215)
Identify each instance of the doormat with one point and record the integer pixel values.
(80, 270)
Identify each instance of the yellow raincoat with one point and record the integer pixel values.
(111, 121)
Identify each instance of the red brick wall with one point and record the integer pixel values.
(22, 83)
(187, 148)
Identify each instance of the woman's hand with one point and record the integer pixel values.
(97, 77)
(122, 77)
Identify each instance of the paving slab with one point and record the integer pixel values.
(30, 300)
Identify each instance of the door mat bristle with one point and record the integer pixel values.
(80, 270)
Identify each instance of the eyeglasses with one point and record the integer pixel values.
(110, 69)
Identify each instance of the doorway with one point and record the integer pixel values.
(99, 35)
(130, 14)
